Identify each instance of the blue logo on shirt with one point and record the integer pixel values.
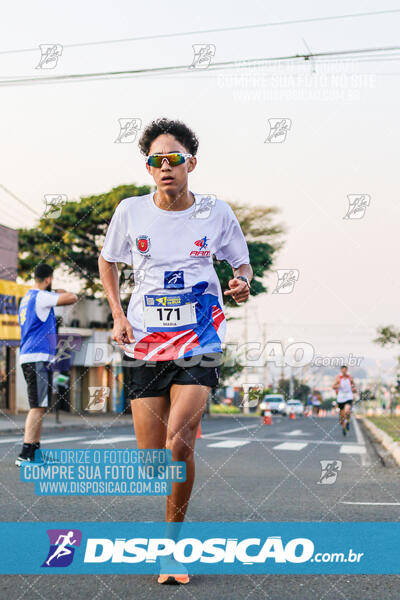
(173, 280)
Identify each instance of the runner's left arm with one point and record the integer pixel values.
(234, 249)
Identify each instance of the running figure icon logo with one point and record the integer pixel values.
(358, 204)
(286, 281)
(173, 280)
(329, 471)
(278, 130)
(62, 547)
(202, 244)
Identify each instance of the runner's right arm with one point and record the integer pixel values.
(116, 249)
(122, 331)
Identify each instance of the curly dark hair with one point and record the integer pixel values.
(179, 130)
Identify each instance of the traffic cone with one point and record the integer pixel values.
(292, 415)
(198, 435)
(267, 415)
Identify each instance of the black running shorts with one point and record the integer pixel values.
(144, 379)
(38, 377)
(343, 404)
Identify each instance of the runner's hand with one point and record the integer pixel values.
(122, 331)
(239, 290)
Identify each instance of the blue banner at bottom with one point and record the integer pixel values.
(207, 547)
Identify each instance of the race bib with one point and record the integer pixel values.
(169, 313)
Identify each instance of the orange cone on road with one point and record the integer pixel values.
(198, 435)
(267, 415)
(292, 414)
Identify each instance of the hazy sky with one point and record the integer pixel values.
(59, 138)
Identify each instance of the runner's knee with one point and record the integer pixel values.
(180, 447)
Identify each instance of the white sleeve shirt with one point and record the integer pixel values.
(44, 302)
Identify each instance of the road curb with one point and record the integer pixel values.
(387, 442)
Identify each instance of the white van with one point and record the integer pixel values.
(276, 402)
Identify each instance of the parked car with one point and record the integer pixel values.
(296, 406)
(276, 403)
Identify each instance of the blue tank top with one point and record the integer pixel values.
(37, 337)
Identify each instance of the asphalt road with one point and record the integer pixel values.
(245, 471)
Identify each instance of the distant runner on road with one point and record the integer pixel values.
(345, 388)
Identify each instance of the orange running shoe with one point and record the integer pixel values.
(169, 565)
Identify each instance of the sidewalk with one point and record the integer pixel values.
(15, 423)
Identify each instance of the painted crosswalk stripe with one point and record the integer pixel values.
(295, 432)
(347, 449)
(373, 503)
(245, 427)
(228, 444)
(112, 440)
(11, 440)
(290, 446)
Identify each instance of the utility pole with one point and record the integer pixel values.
(246, 368)
(264, 338)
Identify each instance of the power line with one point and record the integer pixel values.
(19, 200)
(55, 225)
(214, 30)
(185, 68)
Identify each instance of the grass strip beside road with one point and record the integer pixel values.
(390, 425)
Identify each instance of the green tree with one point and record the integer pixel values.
(388, 335)
(300, 390)
(73, 240)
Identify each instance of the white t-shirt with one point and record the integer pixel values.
(345, 392)
(176, 304)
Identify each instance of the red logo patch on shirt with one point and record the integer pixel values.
(143, 244)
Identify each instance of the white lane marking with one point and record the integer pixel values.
(372, 503)
(347, 449)
(11, 440)
(228, 444)
(60, 440)
(112, 440)
(365, 461)
(329, 442)
(290, 446)
(295, 432)
(231, 430)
